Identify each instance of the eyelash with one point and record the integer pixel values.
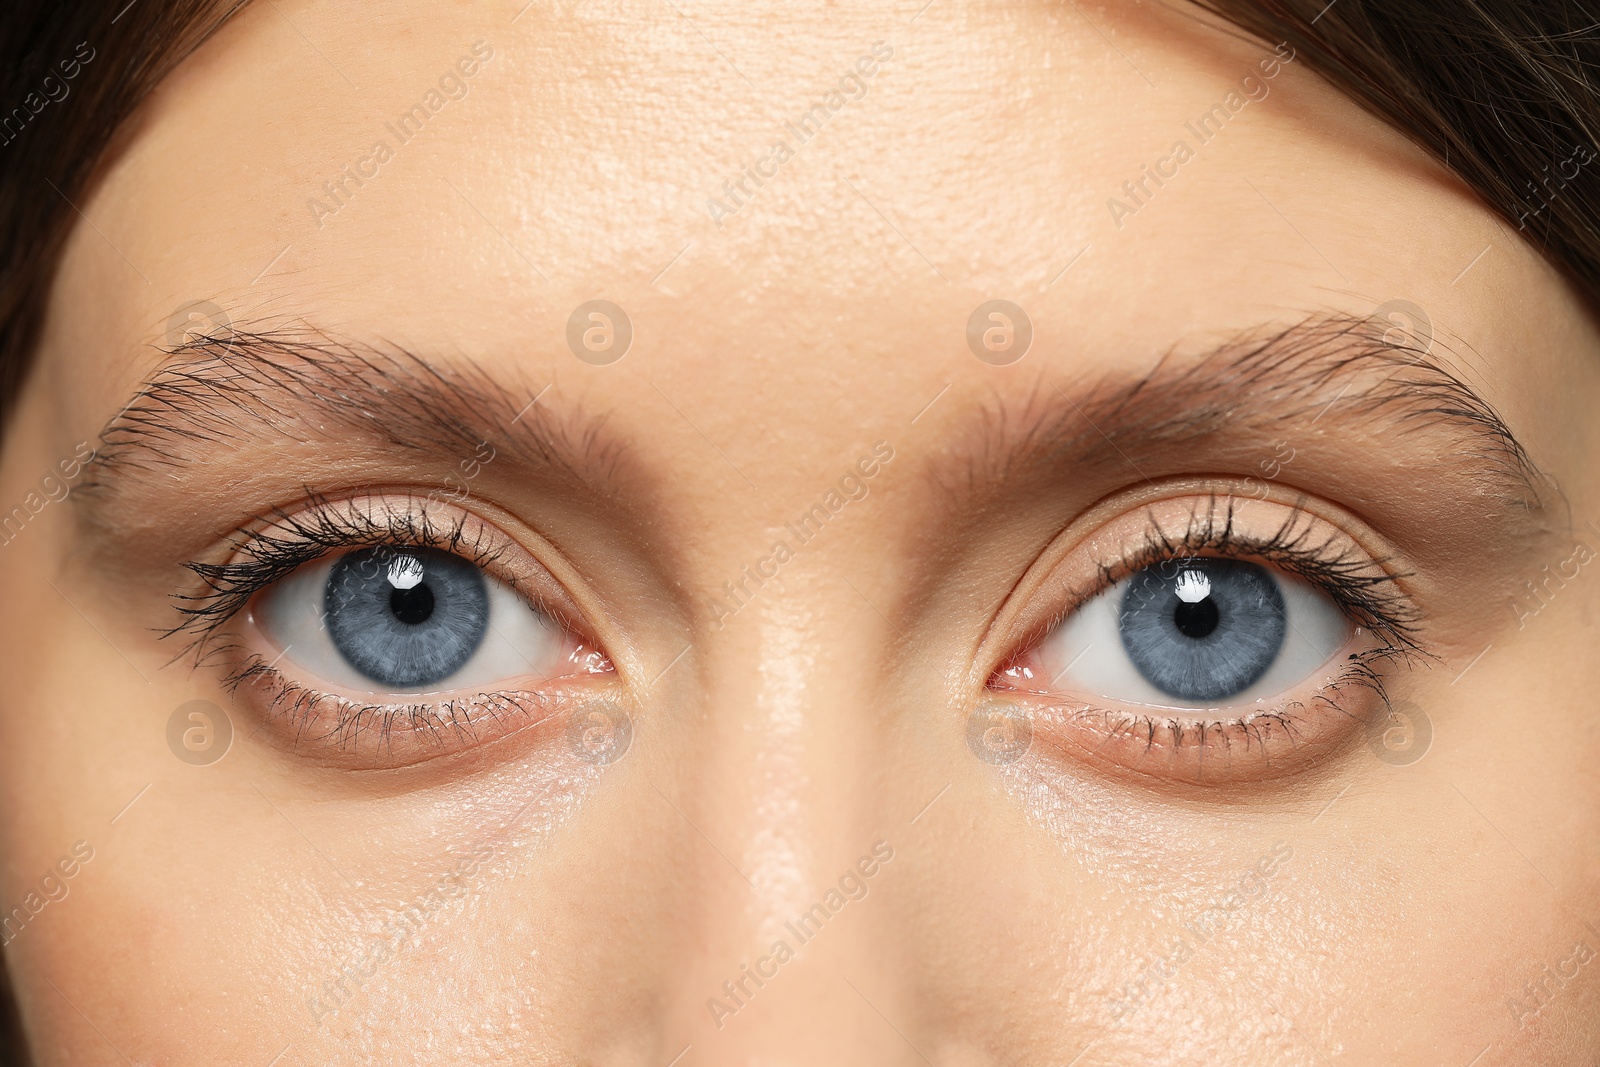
(276, 544)
(309, 534)
(1360, 586)
(273, 546)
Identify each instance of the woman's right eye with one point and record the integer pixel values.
(392, 623)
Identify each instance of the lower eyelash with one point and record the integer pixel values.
(1359, 671)
(301, 707)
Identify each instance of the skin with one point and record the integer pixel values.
(1027, 903)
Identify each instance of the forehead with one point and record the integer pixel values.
(780, 194)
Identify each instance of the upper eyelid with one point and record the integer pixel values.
(232, 583)
(1285, 547)
(1393, 614)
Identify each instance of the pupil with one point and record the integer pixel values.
(1196, 620)
(412, 606)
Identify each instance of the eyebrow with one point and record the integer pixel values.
(250, 387)
(1326, 373)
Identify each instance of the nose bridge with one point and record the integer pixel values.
(790, 864)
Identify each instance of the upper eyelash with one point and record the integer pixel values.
(1361, 586)
(272, 546)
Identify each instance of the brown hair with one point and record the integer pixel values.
(1498, 91)
(70, 77)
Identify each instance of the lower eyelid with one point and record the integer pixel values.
(1211, 749)
(322, 721)
(326, 728)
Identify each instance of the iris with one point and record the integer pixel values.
(406, 618)
(1203, 628)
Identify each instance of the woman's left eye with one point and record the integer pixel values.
(404, 621)
(1200, 632)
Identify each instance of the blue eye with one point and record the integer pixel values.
(406, 618)
(1199, 632)
(1203, 629)
(399, 621)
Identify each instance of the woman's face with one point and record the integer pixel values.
(798, 657)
